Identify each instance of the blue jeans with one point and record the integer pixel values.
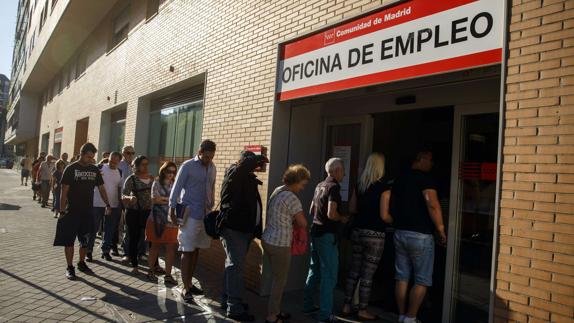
(323, 271)
(236, 245)
(111, 223)
(97, 217)
(414, 254)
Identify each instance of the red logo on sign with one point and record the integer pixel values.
(329, 37)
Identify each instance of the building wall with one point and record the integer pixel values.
(234, 43)
(536, 262)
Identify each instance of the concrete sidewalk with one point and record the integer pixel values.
(33, 287)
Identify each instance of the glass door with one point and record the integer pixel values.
(471, 222)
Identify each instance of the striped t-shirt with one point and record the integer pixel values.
(283, 205)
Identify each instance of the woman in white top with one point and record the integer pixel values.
(284, 210)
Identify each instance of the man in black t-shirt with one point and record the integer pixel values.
(76, 202)
(324, 250)
(416, 213)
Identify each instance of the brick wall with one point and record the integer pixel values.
(535, 274)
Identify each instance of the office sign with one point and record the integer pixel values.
(413, 39)
(58, 135)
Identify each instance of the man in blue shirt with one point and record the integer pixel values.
(196, 178)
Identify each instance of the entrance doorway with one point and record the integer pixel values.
(398, 135)
(81, 134)
(471, 222)
(464, 141)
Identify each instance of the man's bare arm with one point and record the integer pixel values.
(435, 211)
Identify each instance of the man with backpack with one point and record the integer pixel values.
(241, 211)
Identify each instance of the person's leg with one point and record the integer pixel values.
(280, 261)
(69, 252)
(169, 257)
(133, 231)
(110, 229)
(153, 255)
(96, 216)
(194, 261)
(236, 245)
(354, 270)
(186, 259)
(329, 259)
(421, 251)
(416, 297)
(313, 278)
(373, 244)
(126, 236)
(401, 288)
(45, 189)
(403, 270)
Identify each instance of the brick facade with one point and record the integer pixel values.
(535, 271)
(234, 44)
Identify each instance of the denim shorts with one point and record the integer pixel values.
(414, 255)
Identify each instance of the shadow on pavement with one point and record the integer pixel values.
(9, 207)
(54, 295)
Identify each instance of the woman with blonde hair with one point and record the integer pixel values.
(370, 204)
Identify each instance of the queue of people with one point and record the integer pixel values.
(169, 211)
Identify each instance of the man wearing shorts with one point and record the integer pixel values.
(197, 178)
(25, 171)
(76, 202)
(416, 213)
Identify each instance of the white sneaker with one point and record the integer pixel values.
(411, 320)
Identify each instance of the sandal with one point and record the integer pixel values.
(168, 279)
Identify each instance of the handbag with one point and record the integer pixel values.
(212, 222)
(299, 242)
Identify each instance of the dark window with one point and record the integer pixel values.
(81, 64)
(121, 26)
(152, 8)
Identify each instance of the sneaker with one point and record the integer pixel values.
(411, 320)
(243, 317)
(89, 257)
(83, 267)
(71, 273)
(195, 291)
(106, 256)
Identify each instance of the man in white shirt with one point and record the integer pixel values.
(112, 177)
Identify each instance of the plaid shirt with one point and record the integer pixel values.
(283, 205)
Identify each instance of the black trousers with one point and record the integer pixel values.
(135, 220)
